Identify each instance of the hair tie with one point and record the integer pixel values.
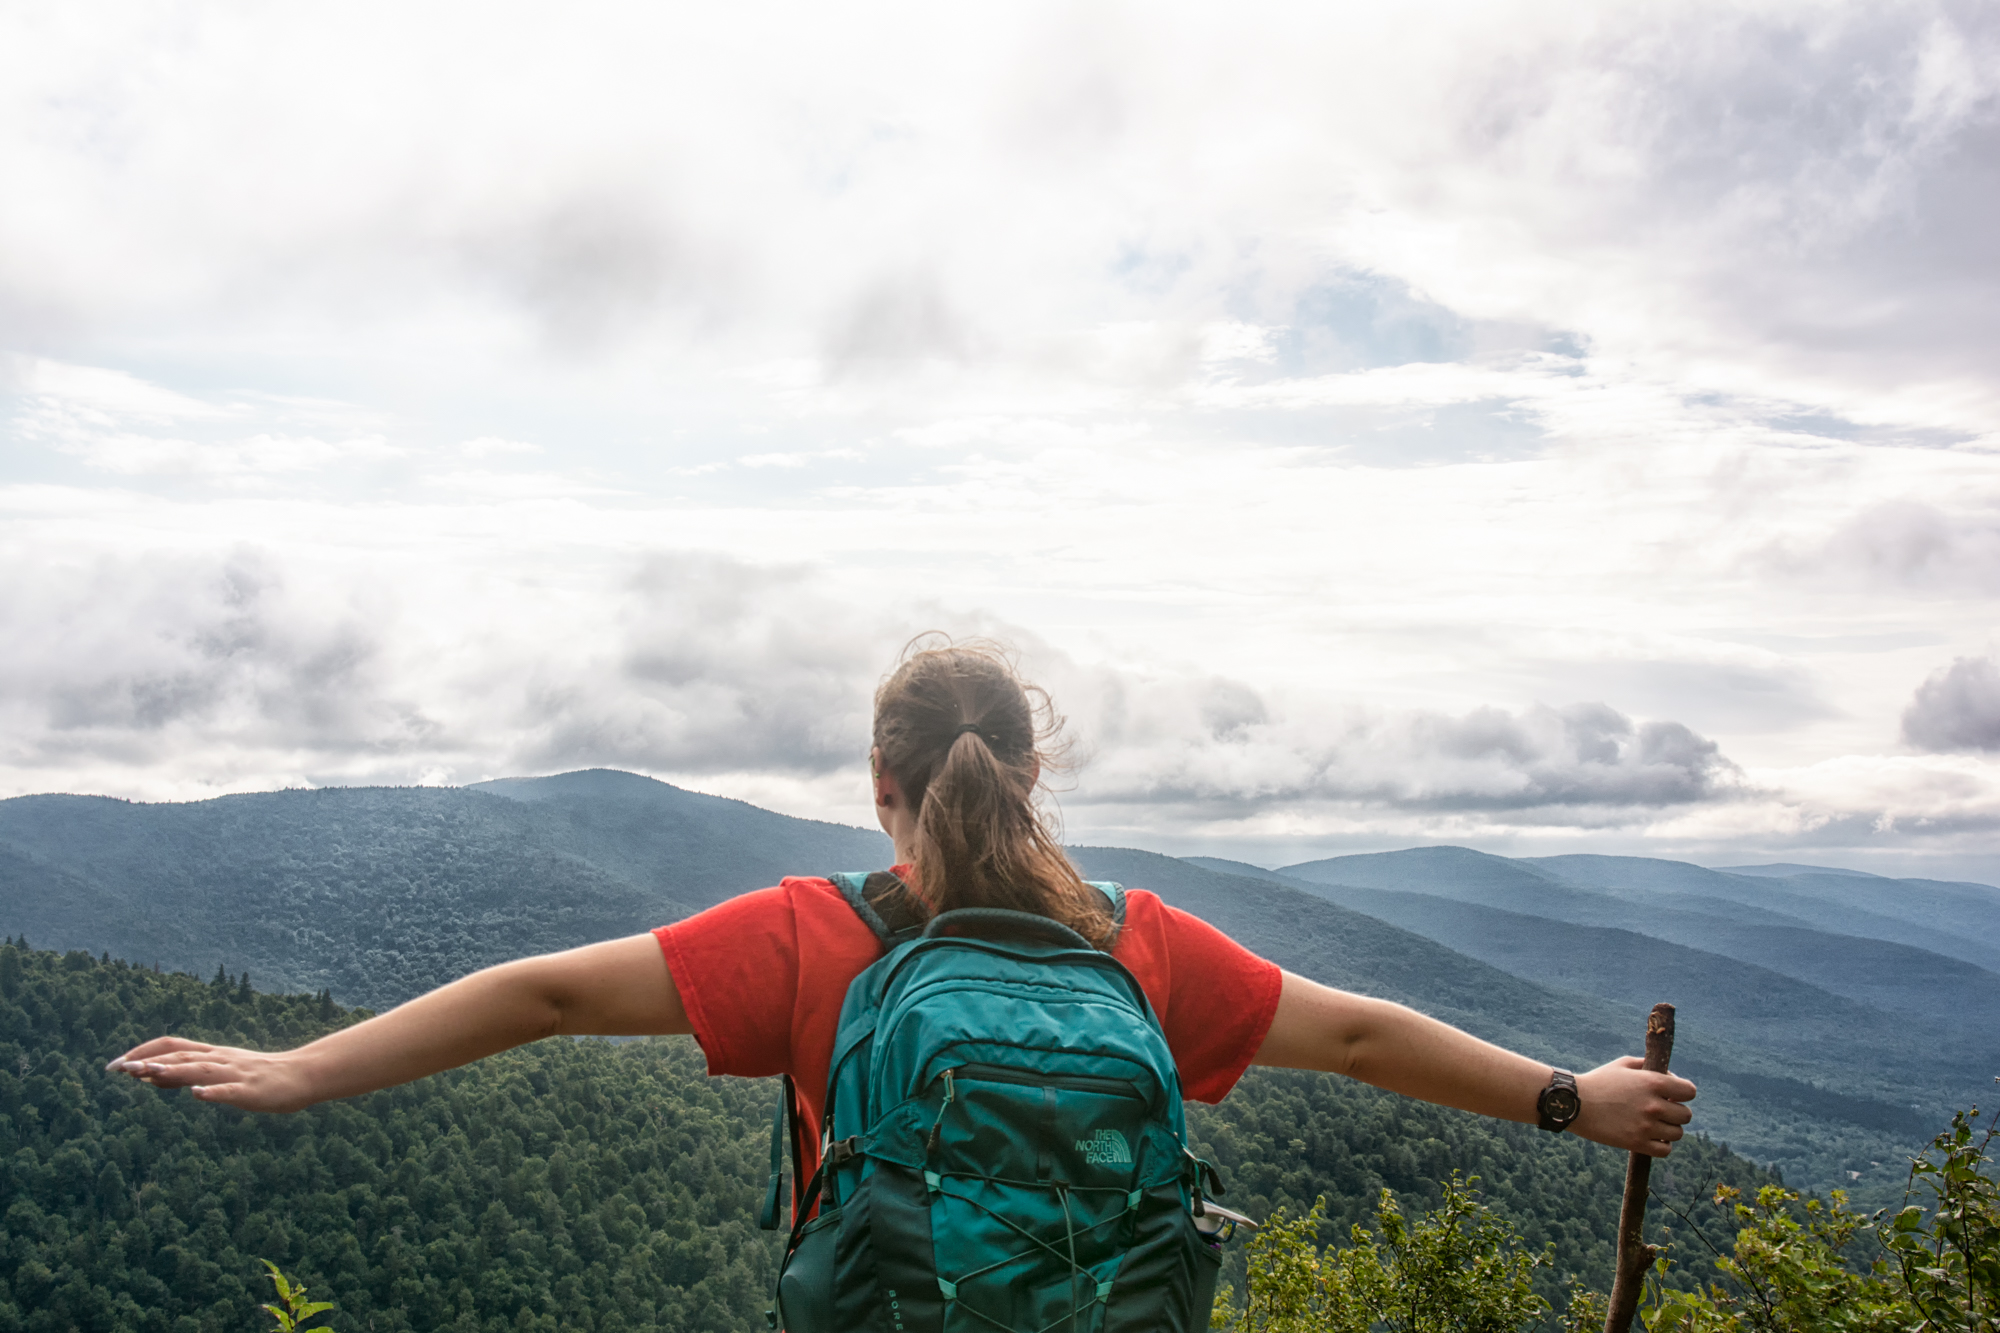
(964, 727)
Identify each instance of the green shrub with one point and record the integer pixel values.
(1460, 1268)
(293, 1310)
(1806, 1266)
(1797, 1266)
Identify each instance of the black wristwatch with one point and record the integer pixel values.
(1559, 1105)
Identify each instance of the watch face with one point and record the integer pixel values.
(1560, 1103)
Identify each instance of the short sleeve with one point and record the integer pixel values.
(761, 1005)
(736, 966)
(1214, 998)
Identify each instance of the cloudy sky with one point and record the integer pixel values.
(1533, 426)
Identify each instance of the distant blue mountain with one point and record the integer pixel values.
(1958, 920)
(1830, 970)
(1878, 957)
(1782, 869)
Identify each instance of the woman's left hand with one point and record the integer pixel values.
(1626, 1107)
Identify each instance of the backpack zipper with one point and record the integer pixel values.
(984, 1073)
(1098, 1083)
(943, 1106)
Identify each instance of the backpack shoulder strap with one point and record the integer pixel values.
(1116, 893)
(879, 900)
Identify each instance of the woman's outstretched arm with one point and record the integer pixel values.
(1390, 1046)
(618, 988)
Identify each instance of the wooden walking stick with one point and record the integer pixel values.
(1634, 1255)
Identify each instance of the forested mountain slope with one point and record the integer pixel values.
(683, 846)
(381, 893)
(1718, 997)
(569, 1185)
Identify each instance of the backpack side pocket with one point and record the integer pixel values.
(805, 1282)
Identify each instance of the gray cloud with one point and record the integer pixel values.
(895, 320)
(1490, 759)
(1958, 708)
(1901, 544)
(719, 666)
(696, 664)
(136, 661)
(1230, 708)
(1215, 748)
(598, 263)
(1824, 180)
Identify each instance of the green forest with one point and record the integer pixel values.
(574, 1185)
(583, 1185)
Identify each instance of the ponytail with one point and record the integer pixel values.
(965, 739)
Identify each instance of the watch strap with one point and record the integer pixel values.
(1553, 1119)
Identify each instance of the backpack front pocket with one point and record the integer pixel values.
(1032, 1189)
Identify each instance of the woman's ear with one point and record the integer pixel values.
(886, 792)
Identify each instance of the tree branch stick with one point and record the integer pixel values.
(1634, 1255)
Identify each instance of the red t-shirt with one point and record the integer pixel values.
(762, 978)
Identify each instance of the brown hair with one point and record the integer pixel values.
(967, 739)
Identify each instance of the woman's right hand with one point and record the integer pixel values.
(252, 1080)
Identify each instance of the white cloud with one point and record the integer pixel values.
(502, 486)
(118, 423)
(1372, 393)
(801, 458)
(494, 446)
(99, 395)
(131, 454)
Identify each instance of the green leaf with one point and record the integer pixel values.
(1670, 1317)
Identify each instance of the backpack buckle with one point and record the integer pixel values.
(1203, 1181)
(842, 1151)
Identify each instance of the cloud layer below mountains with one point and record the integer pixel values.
(1506, 423)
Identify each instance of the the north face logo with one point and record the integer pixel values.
(1107, 1147)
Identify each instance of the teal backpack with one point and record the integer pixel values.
(1003, 1147)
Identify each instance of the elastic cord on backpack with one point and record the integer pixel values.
(1069, 1237)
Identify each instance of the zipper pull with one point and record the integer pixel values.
(937, 1124)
